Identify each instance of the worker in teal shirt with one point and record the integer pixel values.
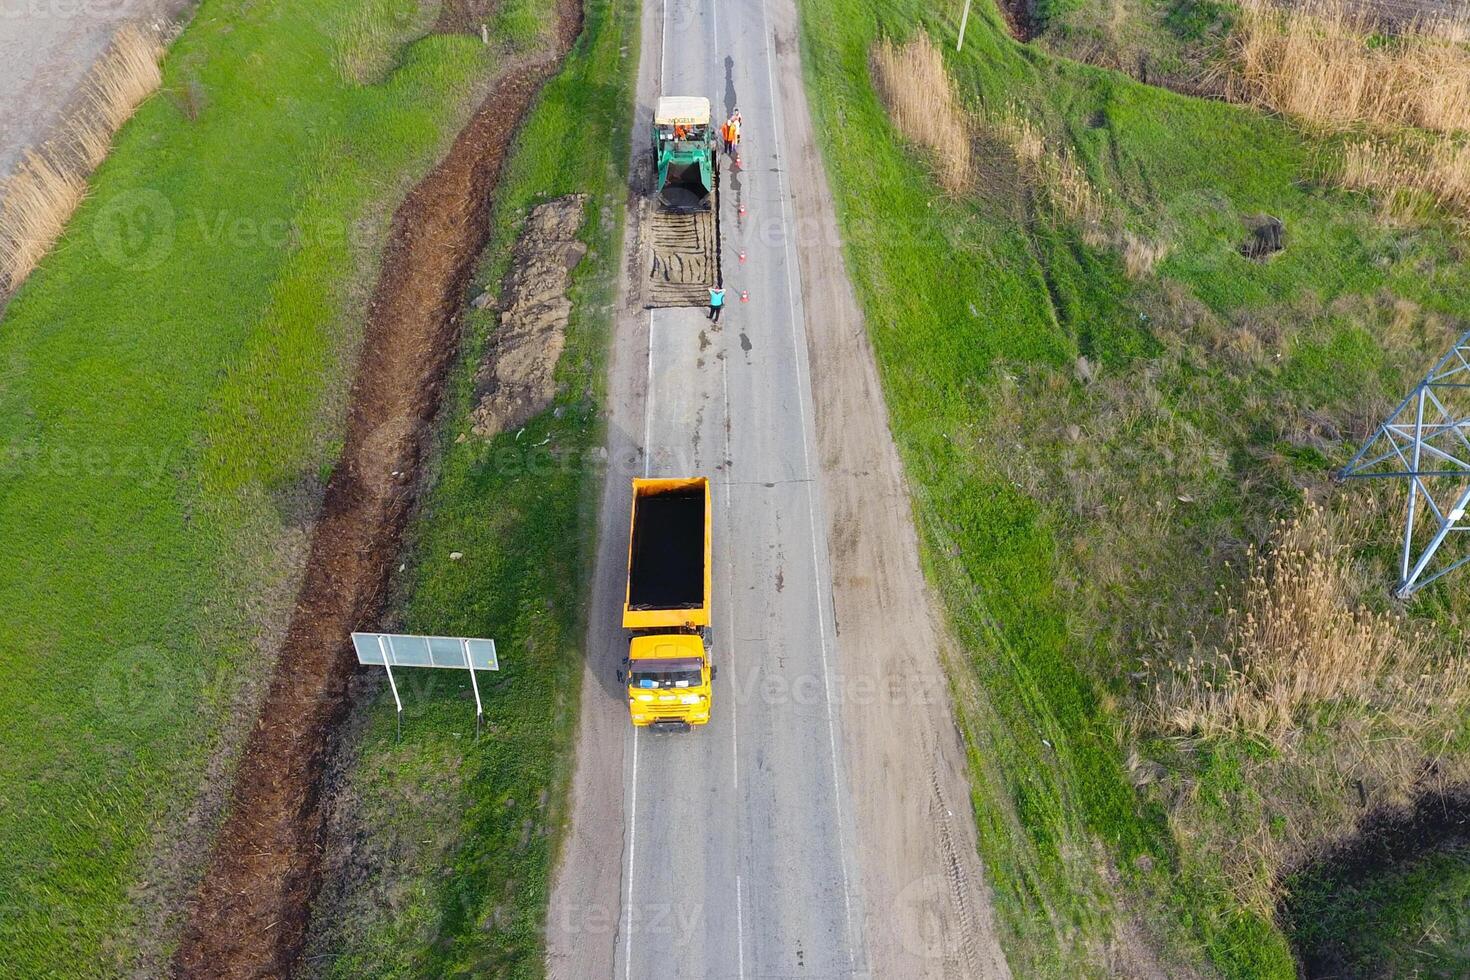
(716, 303)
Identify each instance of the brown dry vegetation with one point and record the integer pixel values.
(1327, 702)
(1297, 640)
(1321, 63)
(51, 181)
(1406, 176)
(922, 102)
(1356, 708)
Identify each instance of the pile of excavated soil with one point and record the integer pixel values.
(516, 381)
(250, 915)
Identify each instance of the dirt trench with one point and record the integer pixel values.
(249, 918)
(1386, 839)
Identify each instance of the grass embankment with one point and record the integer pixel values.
(452, 840)
(1101, 403)
(172, 379)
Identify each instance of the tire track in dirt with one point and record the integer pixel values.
(250, 915)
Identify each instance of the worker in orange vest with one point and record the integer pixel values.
(730, 132)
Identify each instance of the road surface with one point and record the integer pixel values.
(46, 50)
(740, 850)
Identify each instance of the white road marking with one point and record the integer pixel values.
(801, 392)
(648, 405)
(730, 580)
(729, 584)
(663, 42)
(739, 930)
(730, 605)
(632, 844)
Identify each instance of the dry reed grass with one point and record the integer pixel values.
(921, 100)
(1140, 255)
(1298, 643)
(1323, 63)
(1056, 176)
(1360, 708)
(50, 182)
(39, 198)
(1405, 176)
(920, 97)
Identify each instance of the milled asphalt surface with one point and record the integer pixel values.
(46, 49)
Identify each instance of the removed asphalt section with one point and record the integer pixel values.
(820, 825)
(251, 912)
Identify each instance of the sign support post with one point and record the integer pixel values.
(479, 710)
(398, 703)
(390, 650)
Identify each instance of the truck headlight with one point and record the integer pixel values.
(645, 697)
(691, 699)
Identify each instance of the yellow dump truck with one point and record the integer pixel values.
(667, 672)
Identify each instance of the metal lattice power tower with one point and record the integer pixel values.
(1426, 441)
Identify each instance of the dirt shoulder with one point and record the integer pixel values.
(929, 911)
(250, 915)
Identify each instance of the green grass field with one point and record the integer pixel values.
(172, 384)
(1090, 451)
(452, 840)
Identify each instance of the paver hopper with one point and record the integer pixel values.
(683, 153)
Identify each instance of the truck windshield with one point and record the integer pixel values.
(653, 674)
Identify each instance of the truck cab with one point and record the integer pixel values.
(668, 680)
(667, 672)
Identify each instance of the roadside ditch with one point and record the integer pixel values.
(250, 915)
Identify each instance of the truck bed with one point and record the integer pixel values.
(668, 555)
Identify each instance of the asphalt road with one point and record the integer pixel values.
(748, 816)
(737, 854)
(819, 826)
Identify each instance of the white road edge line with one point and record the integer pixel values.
(632, 845)
(648, 405)
(739, 930)
(663, 42)
(801, 394)
(729, 585)
(734, 715)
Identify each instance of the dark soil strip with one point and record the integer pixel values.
(250, 915)
(1020, 17)
(1391, 837)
